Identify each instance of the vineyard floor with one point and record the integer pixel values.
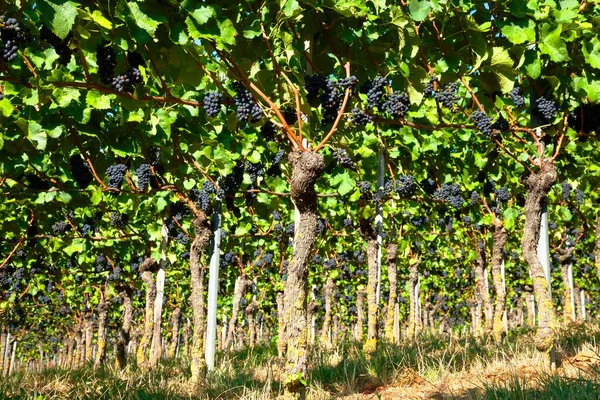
(432, 367)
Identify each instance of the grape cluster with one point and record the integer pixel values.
(501, 125)
(60, 227)
(552, 225)
(343, 158)
(107, 61)
(275, 169)
(360, 118)
(115, 275)
(81, 171)
(182, 238)
(254, 170)
(102, 263)
(143, 174)
(115, 174)
(331, 101)
(566, 190)
(517, 97)
(585, 118)
(276, 216)
(247, 109)
(347, 222)
(483, 122)
(124, 81)
(118, 220)
(579, 196)
(212, 103)
(365, 189)
(450, 193)
(59, 45)
(36, 183)
(406, 186)
(313, 84)
(430, 88)
(447, 96)
(396, 105)
(545, 108)
(202, 196)
(428, 186)
(467, 220)
(502, 194)
(474, 198)
(348, 83)
(290, 229)
(228, 258)
(419, 221)
(374, 90)
(268, 131)
(13, 35)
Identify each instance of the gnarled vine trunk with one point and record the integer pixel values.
(392, 255)
(142, 350)
(328, 298)
(250, 312)
(175, 318)
(241, 284)
(370, 237)
(500, 237)
(538, 185)
(360, 315)
(201, 240)
(101, 349)
(413, 277)
(281, 344)
(597, 247)
(124, 331)
(307, 167)
(482, 294)
(89, 336)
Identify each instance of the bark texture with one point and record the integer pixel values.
(597, 247)
(482, 293)
(328, 298)
(307, 167)
(564, 258)
(500, 237)
(198, 270)
(392, 256)
(360, 315)
(281, 344)
(538, 185)
(413, 277)
(241, 284)
(175, 321)
(124, 331)
(142, 351)
(250, 312)
(370, 236)
(89, 336)
(101, 349)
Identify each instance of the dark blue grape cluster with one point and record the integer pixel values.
(483, 122)
(347, 222)
(115, 274)
(247, 109)
(115, 174)
(566, 190)
(343, 158)
(124, 81)
(374, 90)
(517, 97)
(275, 168)
(102, 263)
(546, 108)
(579, 196)
(467, 220)
(228, 258)
(552, 225)
(81, 171)
(254, 170)
(447, 96)
(365, 189)
(201, 197)
(106, 57)
(60, 46)
(331, 101)
(419, 221)
(474, 198)
(348, 83)
(321, 225)
(13, 35)
(314, 84)
(60, 227)
(501, 125)
(290, 229)
(428, 186)
(212, 103)
(182, 238)
(290, 116)
(430, 88)
(118, 220)
(143, 174)
(276, 216)
(406, 186)
(502, 195)
(329, 264)
(450, 193)
(585, 118)
(396, 105)
(268, 131)
(360, 118)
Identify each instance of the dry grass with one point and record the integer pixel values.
(429, 368)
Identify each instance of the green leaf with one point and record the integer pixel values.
(60, 15)
(6, 108)
(189, 184)
(591, 52)
(552, 44)
(36, 135)
(519, 31)
(419, 9)
(502, 68)
(98, 100)
(202, 15)
(344, 183)
(143, 20)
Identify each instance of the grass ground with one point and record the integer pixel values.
(430, 368)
